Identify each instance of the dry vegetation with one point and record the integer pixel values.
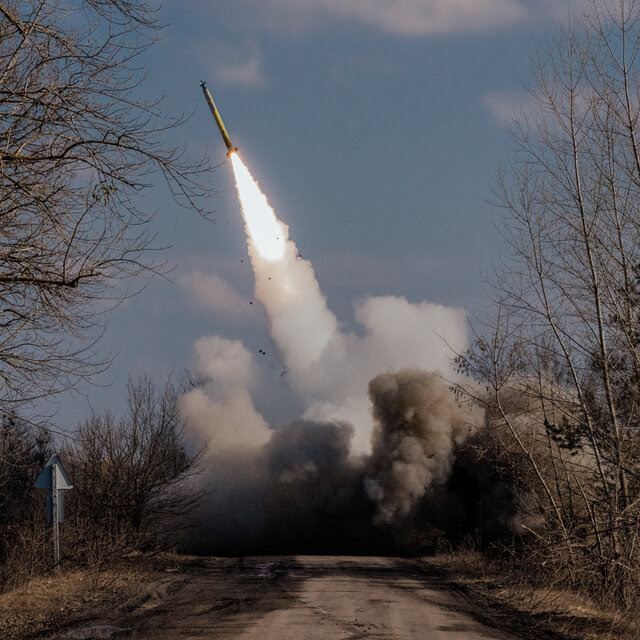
(80, 148)
(135, 488)
(50, 602)
(46, 604)
(511, 596)
(558, 363)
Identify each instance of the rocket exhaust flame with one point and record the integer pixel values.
(267, 233)
(300, 322)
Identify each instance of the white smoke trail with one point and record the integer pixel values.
(327, 473)
(301, 323)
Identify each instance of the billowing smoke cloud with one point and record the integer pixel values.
(220, 411)
(327, 474)
(304, 490)
(418, 428)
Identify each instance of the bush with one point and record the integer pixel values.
(133, 479)
(24, 544)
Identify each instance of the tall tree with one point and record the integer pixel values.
(78, 147)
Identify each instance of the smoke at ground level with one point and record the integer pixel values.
(304, 491)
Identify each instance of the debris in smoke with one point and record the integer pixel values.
(301, 491)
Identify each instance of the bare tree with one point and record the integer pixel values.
(134, 478)
(78, 146)
(562, 358)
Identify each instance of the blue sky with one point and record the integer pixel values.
(375, 128)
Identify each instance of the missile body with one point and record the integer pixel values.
(217, 118)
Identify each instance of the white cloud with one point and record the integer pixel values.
(507, 106)
(246, 73)
(408, 18)
(426, 17)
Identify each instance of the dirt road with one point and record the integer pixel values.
(308, 598)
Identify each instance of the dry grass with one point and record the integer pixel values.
(46, 604)
(549, 608)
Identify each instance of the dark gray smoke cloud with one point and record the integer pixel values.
(301, 491)
(418, 425)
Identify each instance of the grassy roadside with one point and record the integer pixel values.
(47, 604)
(538, 611)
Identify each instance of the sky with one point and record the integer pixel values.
(375, 128)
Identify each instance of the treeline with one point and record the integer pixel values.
(558, 362)
(134, 486)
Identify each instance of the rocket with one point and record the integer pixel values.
(216, 116)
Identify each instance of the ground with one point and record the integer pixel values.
(173, 597)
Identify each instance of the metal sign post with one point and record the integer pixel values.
(55, 514)
(55, 480)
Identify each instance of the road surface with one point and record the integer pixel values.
(301, 598)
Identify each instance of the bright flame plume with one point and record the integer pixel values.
(268, 234)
